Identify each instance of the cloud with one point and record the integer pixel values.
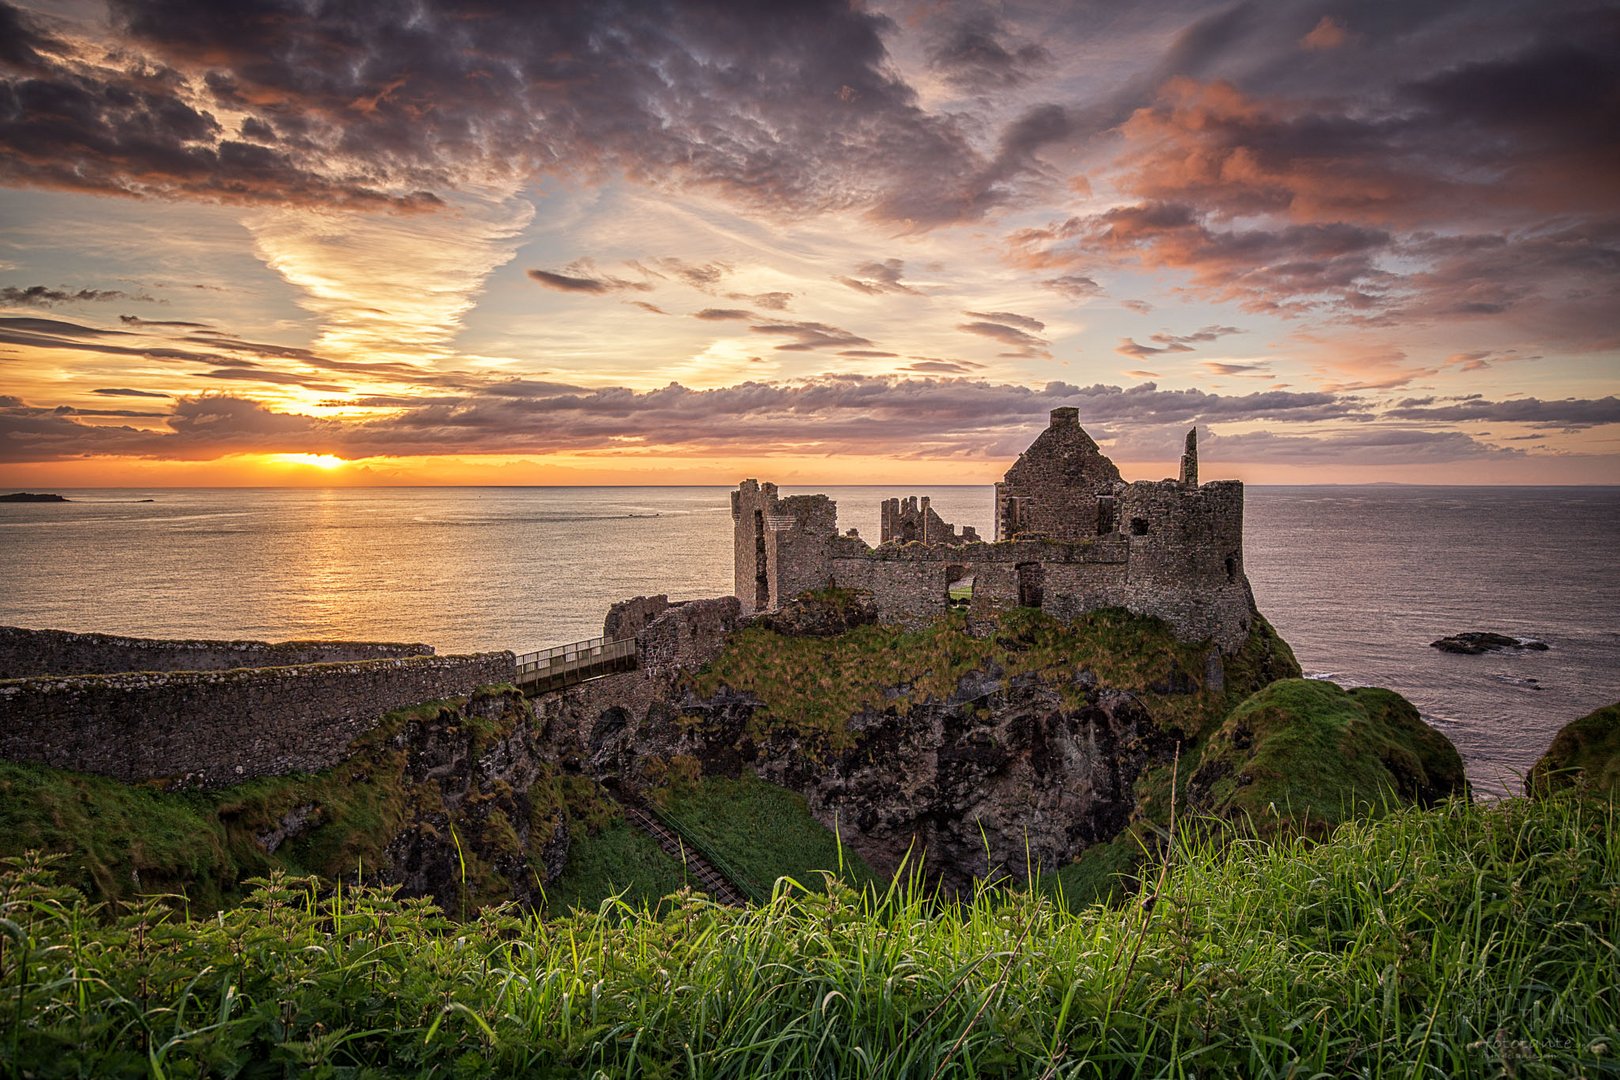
(172, 324)
(1569, 412)
(1024, 322)
(1223, 367)
(44, 296)
(377, 105)
(827, 414)
(877, 278)
(770, 301)
(124, 392)
(979, 54)
(1329, 33)
(702, 276)
(810, 336)
(722, 314)
(576, 282)
(1073, 286)
(1010, 330)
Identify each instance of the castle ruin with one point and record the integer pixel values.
(1071, 536)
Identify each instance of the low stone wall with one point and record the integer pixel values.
(211, 728)
(24, 653)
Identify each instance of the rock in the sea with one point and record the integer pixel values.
(1585, 753)
(1474, 643)
(29, 496)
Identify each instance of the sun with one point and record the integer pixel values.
(319, 461)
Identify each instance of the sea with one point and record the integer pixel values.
(1359, 580)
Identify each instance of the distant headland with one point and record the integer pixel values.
(29, 496)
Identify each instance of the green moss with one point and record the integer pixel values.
(1305, 755)
(1585, 753)
(760, 832)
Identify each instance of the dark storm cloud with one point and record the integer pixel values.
(978, 53)
(784, 108)
(1393, 168)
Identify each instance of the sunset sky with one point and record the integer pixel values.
(389, 242)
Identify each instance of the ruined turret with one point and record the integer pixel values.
(1189, 461)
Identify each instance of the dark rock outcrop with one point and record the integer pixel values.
(1476, 642)
(31, 497)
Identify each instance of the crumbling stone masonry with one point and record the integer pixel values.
(1071, 536)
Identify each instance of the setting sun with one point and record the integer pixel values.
(319, 461)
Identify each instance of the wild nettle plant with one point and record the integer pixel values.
(1466, 940)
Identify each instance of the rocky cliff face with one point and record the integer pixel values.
(978, 756)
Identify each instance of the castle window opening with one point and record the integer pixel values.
(1231, 568)
(1031, 582)
(958, 588)
(1139, 526)
(762, 579)
(1106, 510)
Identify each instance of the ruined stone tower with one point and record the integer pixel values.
(1071, 537)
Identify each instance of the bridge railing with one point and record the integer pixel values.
(575, 662)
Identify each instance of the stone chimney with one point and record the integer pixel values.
(1065, 416)
(1189, 461)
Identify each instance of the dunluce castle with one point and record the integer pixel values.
(1071, 536)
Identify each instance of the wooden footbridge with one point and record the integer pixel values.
(568, 665)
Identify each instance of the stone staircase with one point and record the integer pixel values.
(699, 868)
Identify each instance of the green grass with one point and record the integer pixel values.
(759, 832)
(616, 861)
(1458, 941)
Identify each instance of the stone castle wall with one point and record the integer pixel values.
(211, 728)
(24, 653)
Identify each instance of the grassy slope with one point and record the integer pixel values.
(1585, 752)
(1305, 751)
(1457, 941)
(760, 832)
